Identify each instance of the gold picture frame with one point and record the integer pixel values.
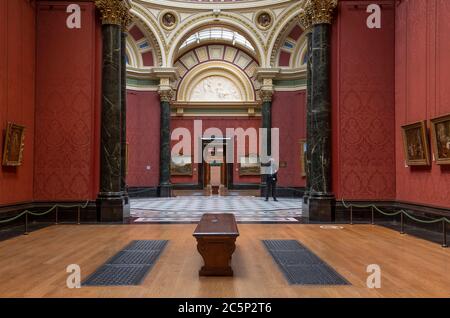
(14, 145)
(302, 157)
(181, 165)
(415, 144)
(440, 138)
(249, 166)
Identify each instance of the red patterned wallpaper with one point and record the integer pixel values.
(289, 116)
(422, 77)
(67, 105)
(17, 93)
(143, 122)
(363, 104)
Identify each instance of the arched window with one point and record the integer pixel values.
(218, 33)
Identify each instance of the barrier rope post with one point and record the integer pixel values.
(26, 224)
(78, 217)
(56, 215)
(373, 218)
(402, 230)
(351, 214)
(444, 233)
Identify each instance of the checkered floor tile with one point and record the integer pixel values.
(190, 209)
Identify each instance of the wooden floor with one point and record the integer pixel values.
(35, 265)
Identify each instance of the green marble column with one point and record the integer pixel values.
(165, 157)
(266, 123)
(308, 119)
(321, 199)
(110, 200)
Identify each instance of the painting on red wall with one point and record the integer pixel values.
(415, 143)
(14, 144)
(440, 130)
(181, 165)
(250, 166)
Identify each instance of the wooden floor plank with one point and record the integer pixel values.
(35, 265)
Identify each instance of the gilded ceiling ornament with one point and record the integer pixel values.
(264, 20)
(321, 11)
(168, 20)
(113, 11)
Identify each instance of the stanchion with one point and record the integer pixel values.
(444, 233)
(56, 215)
(26, 224)
(373, 220)
(402, 231)
(351, 215)
(78, 217)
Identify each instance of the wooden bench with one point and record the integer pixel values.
(216, 236)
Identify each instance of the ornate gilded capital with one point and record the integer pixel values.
(305, 18)
(114, 11)
(166, 95)
(266, 95)
(320, 11)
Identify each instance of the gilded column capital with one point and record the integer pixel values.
(305, 17)
(266, 95)
(114, 11)
(166, 95)
(319, 11)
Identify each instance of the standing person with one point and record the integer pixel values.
(271, 179)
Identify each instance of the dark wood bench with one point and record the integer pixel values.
(216, 236)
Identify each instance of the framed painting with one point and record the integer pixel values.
(440, 137)
(181, 165)
(249, 166)
(415, 144)
(14, 144)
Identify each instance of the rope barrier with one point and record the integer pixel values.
(82, 206)
(402, 212)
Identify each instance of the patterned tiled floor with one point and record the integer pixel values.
(190, 209)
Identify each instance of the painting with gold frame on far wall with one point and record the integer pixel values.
(440, 138)
(302, 157)
(181, 165)
(250, 165)
(13, 146)
(415, 144)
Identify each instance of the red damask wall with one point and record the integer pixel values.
(422, 91)
(363, 154)
(67, 104)
(17, 76)
(143, 126)
(289, 116)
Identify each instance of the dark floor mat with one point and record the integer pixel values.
(300, 266)
(129, 266)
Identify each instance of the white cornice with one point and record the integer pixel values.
(204, 5)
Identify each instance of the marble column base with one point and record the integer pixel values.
(114, 209)
(321, 208)
(164, 190)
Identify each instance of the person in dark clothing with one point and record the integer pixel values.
(271, 179)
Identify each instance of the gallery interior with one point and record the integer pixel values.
(140, 139)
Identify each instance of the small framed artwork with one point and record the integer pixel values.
(181, 165)
(415, 144)
(249, 166)
(440, 138)
(303, 157)
(14, 144)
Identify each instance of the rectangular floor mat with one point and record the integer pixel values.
(300, 266)
(129, 266)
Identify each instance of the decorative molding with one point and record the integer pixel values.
(166, 95)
